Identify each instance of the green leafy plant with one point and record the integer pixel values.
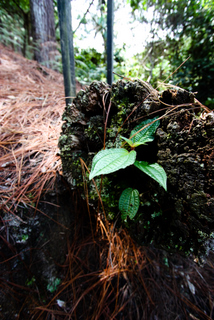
(111, 160)
(53, 284)
(129, 203)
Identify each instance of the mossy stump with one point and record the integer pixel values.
(181, 219)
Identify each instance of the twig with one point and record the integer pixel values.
(83, 17)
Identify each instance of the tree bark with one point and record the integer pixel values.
(43, 27)
(66, 40)
(110, 19)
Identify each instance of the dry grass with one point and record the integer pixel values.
(31, 106)
(116, 279)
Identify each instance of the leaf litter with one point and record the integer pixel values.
(31, 107)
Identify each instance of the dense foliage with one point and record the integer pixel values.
(15, 25)
(187, 31)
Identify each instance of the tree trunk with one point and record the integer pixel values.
(110, 19)
(26, 18)
(43, 27)
(66, 39)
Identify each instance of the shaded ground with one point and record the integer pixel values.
(62, 261)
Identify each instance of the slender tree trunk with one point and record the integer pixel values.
(26, 18)
(110, 21)
(43, 27)
(66, 40)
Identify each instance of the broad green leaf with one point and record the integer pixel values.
(154, 170)
(110, 160)
(129, 203)
(145, 135)
(128, 141)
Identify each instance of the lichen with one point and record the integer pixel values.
(190, 188)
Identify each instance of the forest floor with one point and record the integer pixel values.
(31, 107)
(103, 273)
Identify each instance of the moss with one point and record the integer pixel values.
(183, 146)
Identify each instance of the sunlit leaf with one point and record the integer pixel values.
(145, 135)
(110, 160)
(154, 170)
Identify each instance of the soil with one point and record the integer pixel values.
(59, 258)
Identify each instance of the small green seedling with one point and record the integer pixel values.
(53, 284)
(111, 160)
